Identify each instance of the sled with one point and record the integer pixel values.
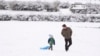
(45, 48)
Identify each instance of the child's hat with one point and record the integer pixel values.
(50, 35)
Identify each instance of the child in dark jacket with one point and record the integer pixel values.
(51, 42)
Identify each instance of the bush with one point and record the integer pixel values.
(51, 7)
(64, 5)
(5, 17)
(3, 5)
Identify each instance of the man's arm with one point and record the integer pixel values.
(70, 32)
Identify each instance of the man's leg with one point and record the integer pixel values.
(70, 42)
(66, 44)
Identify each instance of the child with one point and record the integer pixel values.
(51, 42)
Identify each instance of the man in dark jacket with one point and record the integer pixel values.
(67, 33)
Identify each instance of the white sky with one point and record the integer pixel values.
(71, 1)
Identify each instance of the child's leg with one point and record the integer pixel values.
(51, 47)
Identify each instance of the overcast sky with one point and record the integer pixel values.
(71, 1)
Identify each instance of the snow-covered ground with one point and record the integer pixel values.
(10, 12)
(20, 38)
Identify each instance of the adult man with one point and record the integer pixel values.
(67, 33)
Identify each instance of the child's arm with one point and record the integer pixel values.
(54, 41)
(48, 40)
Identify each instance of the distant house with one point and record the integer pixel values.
(78, 8)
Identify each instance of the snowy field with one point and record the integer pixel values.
(19, 38)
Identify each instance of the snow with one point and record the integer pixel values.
(10, 12)
(25, 38)
(21, 38)
(13, 13)
(65, 12)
